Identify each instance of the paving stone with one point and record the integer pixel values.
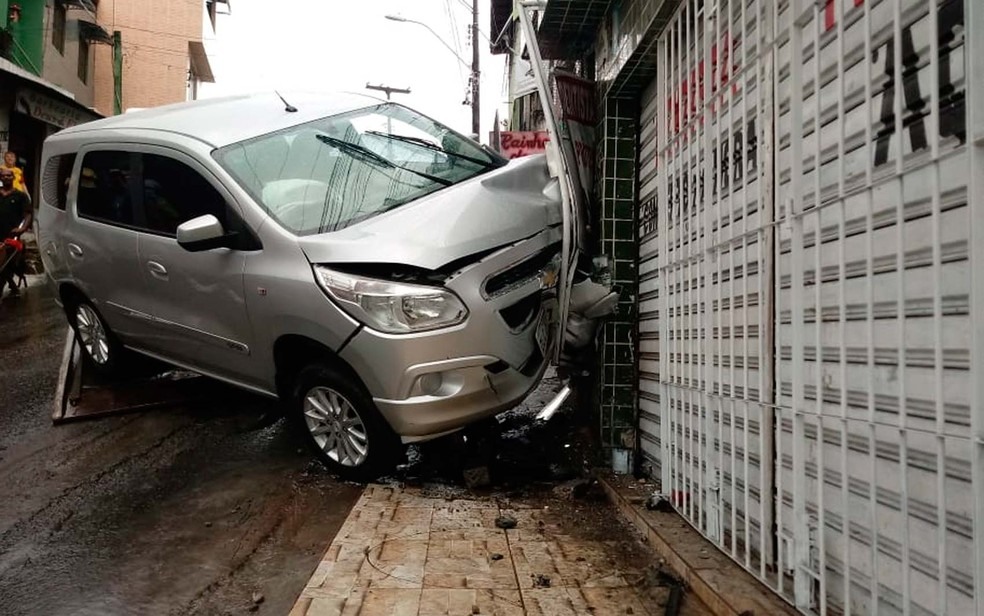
(403, 553)
(439, 602)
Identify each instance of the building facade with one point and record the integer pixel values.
(160, 57)
(65, 62)
(790, 195)
(45, 75)
(68, 61)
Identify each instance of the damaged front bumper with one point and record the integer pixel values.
(432, 383)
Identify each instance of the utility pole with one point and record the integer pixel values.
(117, 72)
(476, 113)
(388, 89)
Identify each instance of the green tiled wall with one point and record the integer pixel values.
(616, 234)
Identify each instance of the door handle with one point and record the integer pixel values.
(157, 270)
(75, 250)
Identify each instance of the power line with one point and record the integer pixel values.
(454, 35)
(454, 25)
(125, 27)
(469, 7)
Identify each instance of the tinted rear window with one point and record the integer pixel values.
(54, 181)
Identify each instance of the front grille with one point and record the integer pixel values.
(520, 273)
(522, 312)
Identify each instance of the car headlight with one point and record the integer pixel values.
(390, 307)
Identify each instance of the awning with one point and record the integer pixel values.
(211, 9)
(84, 5)
(93, 32)
(43, 99)
(200, 67)
(568, 27)
(6, 66)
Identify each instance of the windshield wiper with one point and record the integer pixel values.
(431, 146)
(361, 152)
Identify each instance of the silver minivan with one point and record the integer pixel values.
(389, 279)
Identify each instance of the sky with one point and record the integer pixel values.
(325, 45)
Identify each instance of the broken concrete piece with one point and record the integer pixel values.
(659, 502)
(478, 477)
(540, 580)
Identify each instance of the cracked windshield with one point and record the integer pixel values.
(331, 173)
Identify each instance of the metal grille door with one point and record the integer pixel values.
(874, 455)
(714, 282)
(650, 421)
(811, 180)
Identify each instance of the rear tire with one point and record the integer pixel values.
(341, 423)
(99, 346)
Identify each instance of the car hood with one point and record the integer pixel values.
(491, 210)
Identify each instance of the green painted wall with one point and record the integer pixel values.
(29, 33)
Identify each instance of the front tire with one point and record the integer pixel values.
(341, 423)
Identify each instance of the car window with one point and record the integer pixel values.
(54, 181)
(174, 193)
(104, 187)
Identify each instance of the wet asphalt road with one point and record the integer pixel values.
(175, 511)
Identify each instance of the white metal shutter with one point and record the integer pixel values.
(874, 451)
(714, 254)
(649, 285)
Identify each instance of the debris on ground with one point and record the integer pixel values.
(477, 477)
(674, 601)
(540, 580)
(589, 490)
(659, 502)
(540, 477)
(258, 598)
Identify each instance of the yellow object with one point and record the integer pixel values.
(18, 178)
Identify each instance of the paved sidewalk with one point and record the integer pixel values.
(402, 552)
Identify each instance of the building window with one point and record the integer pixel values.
(58, 28)
(83, 60)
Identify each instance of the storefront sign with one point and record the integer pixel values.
(49, 110)
(577, 107)
(514, 144)
(523, 81)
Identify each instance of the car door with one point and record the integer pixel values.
(100, 241)
(563, 168)
(194, 300)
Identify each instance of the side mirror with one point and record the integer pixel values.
(204, 233)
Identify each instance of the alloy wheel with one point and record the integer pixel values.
(92, 334)
(336, 426)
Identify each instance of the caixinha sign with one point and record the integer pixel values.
(514, 144)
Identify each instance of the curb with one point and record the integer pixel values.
(724, 587)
